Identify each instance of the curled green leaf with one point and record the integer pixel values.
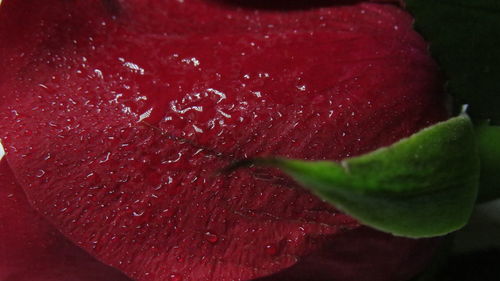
(464, 37)
(421, 186)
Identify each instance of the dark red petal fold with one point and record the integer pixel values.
(33, 250)
(122, 112)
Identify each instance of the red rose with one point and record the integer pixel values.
(116, 116)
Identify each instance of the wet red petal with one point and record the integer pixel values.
(33, 250)
(218, 83)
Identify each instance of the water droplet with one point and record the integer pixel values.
(271, 250)
(301, 88)
(145, 115)
(98, 72)
(134, 68)
(212, 238)
(138, 214)
(175, 277)
(168, 213)
(105, 158)
(194, 61)
(40, 173)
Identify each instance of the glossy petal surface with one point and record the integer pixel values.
(217, 83)
(33, 250)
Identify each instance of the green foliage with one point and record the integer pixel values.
(421, 186)
(464, 37)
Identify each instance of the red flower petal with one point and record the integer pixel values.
(219, 83)
(32, 250)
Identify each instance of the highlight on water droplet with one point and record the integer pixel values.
(175, 277)
(138, 213)
(105, 158)
(271, 249)
(168, 213)
(40, 173)
(2, 151)
(210, 237)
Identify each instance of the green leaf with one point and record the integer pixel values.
(488, 140)
(421, 186)
(464, 37)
